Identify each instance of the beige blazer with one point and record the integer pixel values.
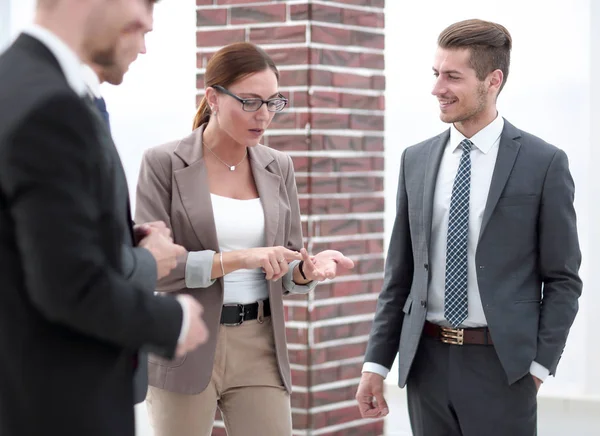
(173, 187)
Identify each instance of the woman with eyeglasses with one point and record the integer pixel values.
(233, 204)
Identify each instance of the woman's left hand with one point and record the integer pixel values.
(324, 265)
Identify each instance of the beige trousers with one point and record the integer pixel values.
(246, 386)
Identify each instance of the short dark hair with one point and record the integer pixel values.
(489, 45)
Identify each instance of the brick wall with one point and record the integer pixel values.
(330, 54)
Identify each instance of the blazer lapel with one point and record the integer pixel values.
(507, 155)
(268, 186)
(192, 186)
(434, 158)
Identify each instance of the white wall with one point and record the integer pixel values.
(156, 103)
(5, 21)
(14, 15)
(593, 236)
(547, 94)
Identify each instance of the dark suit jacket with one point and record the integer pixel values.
(70, 321)
(138, 266)
(527, 257)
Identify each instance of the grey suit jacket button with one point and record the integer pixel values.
(426, 266)
(424, 303)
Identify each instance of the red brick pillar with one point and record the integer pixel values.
(331, 61)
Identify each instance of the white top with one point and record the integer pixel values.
(483, 161)
(240, 225)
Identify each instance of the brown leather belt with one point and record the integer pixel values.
(473, 336)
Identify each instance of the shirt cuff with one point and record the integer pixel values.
(185, 322)
(539, 371)
(290, 286)
(375, 368)
(198, 269)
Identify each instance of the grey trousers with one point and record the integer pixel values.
(458, 390)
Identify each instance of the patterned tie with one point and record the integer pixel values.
(101, 106)
(455, 303)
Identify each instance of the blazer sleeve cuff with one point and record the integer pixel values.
(198, 269)
(376, 368)
(539, 371)
(290, 286)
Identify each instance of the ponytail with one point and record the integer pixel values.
(202, 115)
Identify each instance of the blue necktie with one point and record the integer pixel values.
(456, 306)
(101, 106)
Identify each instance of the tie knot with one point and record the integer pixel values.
(100, 104)
(466, 145)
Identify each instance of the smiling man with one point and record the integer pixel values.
(481, 281)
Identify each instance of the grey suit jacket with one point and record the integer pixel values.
(527, 256)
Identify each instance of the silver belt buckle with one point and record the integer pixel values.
(241, 313)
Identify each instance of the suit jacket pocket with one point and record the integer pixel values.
(518, 200)
(407, 305)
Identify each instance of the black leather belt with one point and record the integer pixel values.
(236, 314)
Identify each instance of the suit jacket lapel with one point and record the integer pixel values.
(105, 137)
(193, 189)
(268, 185)
(507, 155)
(192, 185)
(434, 158)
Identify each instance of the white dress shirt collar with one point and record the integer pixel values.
(92, 81)
(483, 140)
(68, 60)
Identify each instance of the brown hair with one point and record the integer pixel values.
(230, 64)
(489, 45)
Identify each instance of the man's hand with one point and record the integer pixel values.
(538, 382)
(370, 396)
(140, 231)
(164, 251)
(197, 333)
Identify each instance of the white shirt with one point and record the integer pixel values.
(242, 286)
(483, 161)
(71, 66)
(92, 81)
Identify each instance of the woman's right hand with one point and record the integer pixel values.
(273, 260)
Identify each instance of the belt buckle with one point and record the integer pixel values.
(452, 336)
(241, 314)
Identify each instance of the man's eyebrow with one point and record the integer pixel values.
(447, 71)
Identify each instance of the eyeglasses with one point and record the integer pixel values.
(254, 104)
